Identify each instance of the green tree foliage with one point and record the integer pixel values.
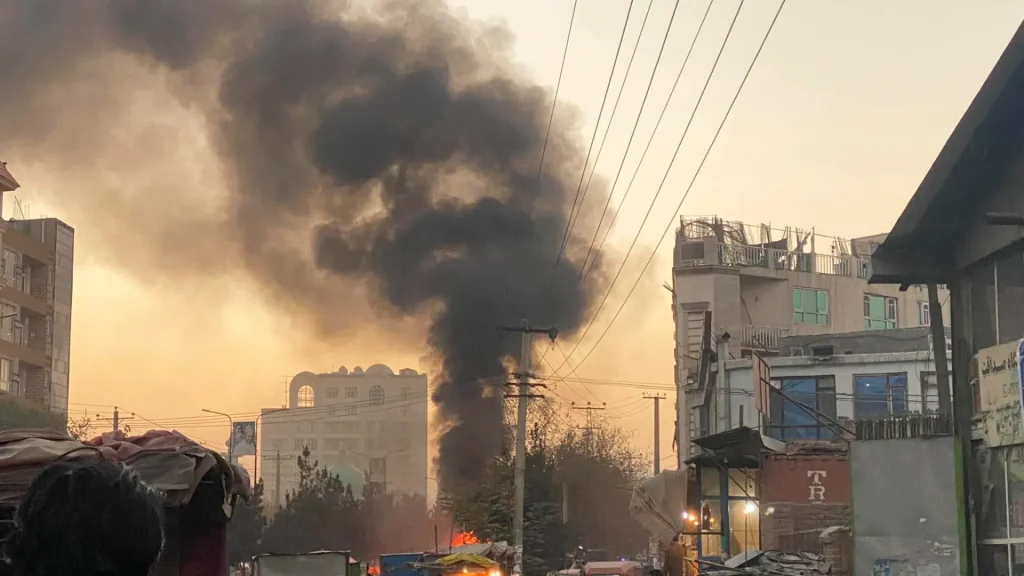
(322, 513)
(595, 469)
(246, 528)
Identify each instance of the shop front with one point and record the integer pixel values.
(726, 512)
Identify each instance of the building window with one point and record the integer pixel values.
(879, 395)
(789, 420)
(298, 444)
(879, 312)
(332, 391)
(348, 410)
(5, 374)
(370, 444)
(348, 427)
(376, 395)
(810, 306)
(306, 397)
(311, 443)
(924, 314)
(350, 444)
(351, 392)
(332, 444)
(929, 393)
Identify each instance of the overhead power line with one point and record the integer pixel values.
(661, 186)
(696, 173)
(554, 101)
(593, 138)
(643, 156)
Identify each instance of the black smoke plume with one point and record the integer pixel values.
(393, 135)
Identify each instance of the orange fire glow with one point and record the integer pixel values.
(463, 538)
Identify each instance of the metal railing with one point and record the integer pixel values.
(762, 337)
(698, 253)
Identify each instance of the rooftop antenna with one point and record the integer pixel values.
(19, 209)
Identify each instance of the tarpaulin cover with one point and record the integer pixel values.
(166, 460)
(658, 504)
(474, 559)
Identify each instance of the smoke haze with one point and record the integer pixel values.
(387, 156)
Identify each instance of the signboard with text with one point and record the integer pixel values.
(999, 387)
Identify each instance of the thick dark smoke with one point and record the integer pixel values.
(389, 134)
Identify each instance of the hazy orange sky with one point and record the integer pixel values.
(847, 107)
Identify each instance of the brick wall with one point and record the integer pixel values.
(797, 527)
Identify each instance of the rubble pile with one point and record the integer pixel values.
(770, 563)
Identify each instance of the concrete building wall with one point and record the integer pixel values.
(905, 512)
(370, 421)
(740, 377)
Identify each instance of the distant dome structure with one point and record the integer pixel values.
(342, 370)
(379, 370)
(357, 370)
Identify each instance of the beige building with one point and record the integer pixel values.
(365, 425)
(761, 283)
(36, 277)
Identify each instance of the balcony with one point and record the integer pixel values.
(762, 337)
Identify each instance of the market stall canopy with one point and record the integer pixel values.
(168, 461)
(462, 558)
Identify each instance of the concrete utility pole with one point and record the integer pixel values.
(523, 396)
(657, 398)
(588, 430)
(277, 477)
(116, 420)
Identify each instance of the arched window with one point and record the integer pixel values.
(306, 397)
(376, 395)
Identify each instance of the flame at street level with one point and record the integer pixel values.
(463, 538)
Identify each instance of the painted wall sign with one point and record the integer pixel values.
(999, 385)
(814, 479)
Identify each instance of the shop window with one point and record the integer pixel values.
(879, 395)
(744, 527)
(789, 420)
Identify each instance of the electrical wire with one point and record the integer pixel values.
(615, 106)
(593, 138)
(554, 101)
(584, 271)
(707, 153)
(657, 194)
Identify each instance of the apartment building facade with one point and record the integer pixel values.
(36, 282)
(372, 421)
(761, 283)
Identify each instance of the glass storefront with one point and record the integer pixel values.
(729, 505)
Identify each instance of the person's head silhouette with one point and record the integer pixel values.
(87, 516)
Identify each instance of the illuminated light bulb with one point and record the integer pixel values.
(750, 508)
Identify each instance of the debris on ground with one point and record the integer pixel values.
(769, 563)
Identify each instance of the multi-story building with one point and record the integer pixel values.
(761, 283)
(373, 421)
(36, 277)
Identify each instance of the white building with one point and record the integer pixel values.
(370, 423)
(839, 381)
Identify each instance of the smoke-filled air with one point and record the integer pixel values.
(386, 149)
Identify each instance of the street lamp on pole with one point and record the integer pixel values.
(231, 432)
(256, 465)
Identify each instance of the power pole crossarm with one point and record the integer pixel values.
(523, 396)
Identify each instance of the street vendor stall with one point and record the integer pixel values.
(199, 488)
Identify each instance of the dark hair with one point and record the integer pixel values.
(87, 516)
